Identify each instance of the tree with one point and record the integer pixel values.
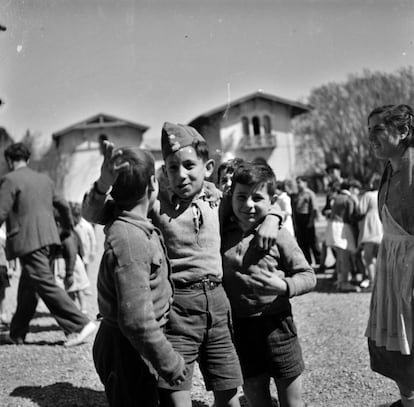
(335, 130)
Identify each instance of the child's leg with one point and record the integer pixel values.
(257, 391)
(227, 398)
(175, 398)
(204, 337)
(2, 297)
(290, 392)
(81, 299)
(370, 260)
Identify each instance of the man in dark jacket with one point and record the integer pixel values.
(27, 201)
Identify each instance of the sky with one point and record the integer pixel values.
(63, 61)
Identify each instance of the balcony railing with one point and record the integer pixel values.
(258, 141)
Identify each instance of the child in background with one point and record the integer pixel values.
(187, 213)
(370, 231)
(134, 293)
(69, 268)
(259, 284)
(285, 203)
(4, 277)
(225, 173)
(86, 234)
(340, 236)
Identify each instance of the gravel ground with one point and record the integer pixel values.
(331, 327)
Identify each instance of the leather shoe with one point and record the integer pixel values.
(78, 338)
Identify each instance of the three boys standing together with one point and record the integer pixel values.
(144, 334)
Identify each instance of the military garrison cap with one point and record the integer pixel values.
(176, 136)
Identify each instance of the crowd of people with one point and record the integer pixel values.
(202, 272)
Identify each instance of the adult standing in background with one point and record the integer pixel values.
(27, 201)
(304, 214)
(391, 322)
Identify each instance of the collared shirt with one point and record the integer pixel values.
(242, 257)
(191, 230)
(305, 202)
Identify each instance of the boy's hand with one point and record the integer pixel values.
(69, 280)
(267, 232)
(266, 282)
(111, 167)
(182, 376)
(13, 265)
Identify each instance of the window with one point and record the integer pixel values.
(256, 125)
(245, 125)
(267, 124)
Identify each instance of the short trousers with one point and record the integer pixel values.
(199, 328)
(125, 376)
(4, 277)
(268, 344)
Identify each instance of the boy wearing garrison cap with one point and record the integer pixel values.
(187, 213)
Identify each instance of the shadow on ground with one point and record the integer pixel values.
(61, 395)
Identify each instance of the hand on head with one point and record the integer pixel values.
(112, 165)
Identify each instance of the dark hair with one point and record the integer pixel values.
(255, 175)
(201, 149)
(280, 185)
(259, 160)
(228, 167)
(335, 186)
(17, 152)
(397, 117)
(131, 183)
(302, 178)
(355, 184)
(345, 185)
(333, 166)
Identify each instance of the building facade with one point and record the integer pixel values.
(75, 158)
(257, 126)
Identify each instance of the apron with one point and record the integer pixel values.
(390, 323)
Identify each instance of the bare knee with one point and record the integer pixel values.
(175, 398)
(290, 392)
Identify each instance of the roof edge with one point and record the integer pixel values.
(297, 105)
(82, 124)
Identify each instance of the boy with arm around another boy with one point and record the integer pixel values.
(134, 293)
(187, 213)
(259, 284)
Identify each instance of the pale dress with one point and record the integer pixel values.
(391, 311)
(80, 278)
(285, 204)
(370, 227)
